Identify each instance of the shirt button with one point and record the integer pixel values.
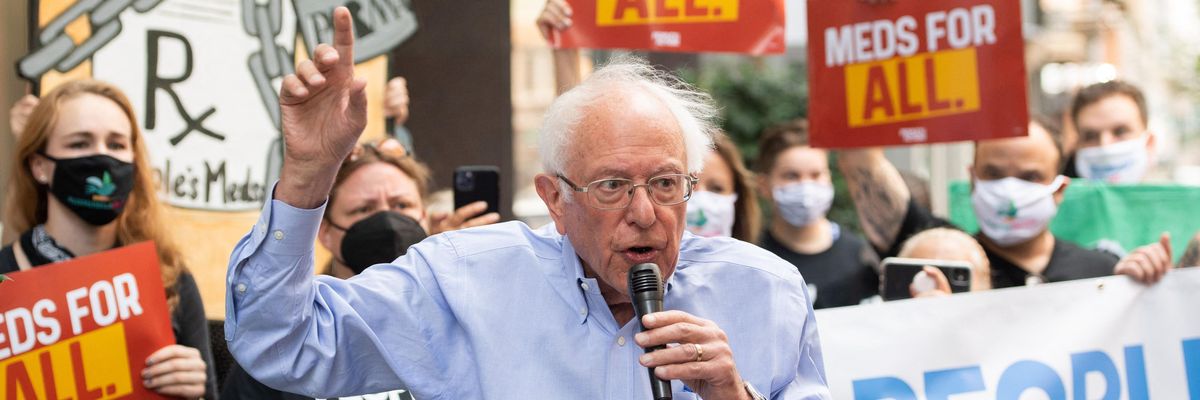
(241, 288)
(278, 235)
(621, 341)
(584, 286)
(582, 310)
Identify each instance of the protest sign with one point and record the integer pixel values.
(752, 27)
(83, 328)
(910, 71)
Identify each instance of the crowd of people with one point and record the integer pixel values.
(414, 300)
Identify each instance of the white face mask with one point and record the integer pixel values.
(802, 203)
(1121, 162)
(1012, 211)
(711, 214)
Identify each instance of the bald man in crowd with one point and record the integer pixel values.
(1015, 193)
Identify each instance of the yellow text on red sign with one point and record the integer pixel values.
(905, 89)
(91, 366)
(645, 12)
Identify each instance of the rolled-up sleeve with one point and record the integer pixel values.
(326, 337)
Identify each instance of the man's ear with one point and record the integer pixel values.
(548, 190)
(1058, 194)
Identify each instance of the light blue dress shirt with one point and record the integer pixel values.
(498, 312)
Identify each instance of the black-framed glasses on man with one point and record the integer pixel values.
(617, 193)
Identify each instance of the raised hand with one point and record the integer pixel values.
(324, 109)
(556, 15)
(1147, 264)
(20, 112)
(395, 104)
(464, 217)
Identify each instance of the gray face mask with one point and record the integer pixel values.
(802, 203)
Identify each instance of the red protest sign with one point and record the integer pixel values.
(741, 26)
(82, 329)
(915, 71)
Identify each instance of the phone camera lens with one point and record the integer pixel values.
(465, 181)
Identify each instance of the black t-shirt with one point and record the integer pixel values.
(1067, 262)
(842, 275)
(187, 320)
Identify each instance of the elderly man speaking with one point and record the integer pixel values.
(510, 312)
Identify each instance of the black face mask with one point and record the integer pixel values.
(94, 187)
(381, 238)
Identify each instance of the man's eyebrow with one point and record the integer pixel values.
(609, 172)
(992, 168)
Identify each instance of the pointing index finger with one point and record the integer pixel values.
(343, 35)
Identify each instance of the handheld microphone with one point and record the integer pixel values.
(646, 294)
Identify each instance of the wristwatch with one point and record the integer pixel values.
(754, 394)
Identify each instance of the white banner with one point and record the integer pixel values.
(1108, 338)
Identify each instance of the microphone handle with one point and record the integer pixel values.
(660, 389)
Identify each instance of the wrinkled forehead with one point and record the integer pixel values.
(629, 126)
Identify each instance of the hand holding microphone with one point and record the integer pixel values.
(702, 358)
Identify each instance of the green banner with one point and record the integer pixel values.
(1130, 215)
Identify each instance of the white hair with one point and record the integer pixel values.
(693, 110)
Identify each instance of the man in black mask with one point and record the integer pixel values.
(375, 186)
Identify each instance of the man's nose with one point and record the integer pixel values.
(641, 208)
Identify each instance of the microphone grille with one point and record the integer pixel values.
(644, 278)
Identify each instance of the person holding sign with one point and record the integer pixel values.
(1016, 190)
(506, 311)
(82, 184)
(838, 265)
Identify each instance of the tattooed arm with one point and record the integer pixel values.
(556, 16)
(879, 193)
(1191, 256)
